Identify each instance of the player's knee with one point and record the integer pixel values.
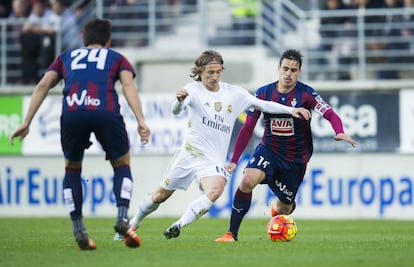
(251, 178)
(160, 196)
(73, 164)
(214, 193)
(121, 161)
(248, 184)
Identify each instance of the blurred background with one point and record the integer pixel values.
(358, 54)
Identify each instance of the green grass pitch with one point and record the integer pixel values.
(49, 242)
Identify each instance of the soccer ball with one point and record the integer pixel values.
(281, 228)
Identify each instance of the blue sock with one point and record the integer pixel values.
(241, 205)
(78, 226)
(122, 189)
(72, 182)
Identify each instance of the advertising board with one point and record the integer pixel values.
(347, 185)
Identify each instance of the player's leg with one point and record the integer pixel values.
(260, 165)
(241, 202)
(149, 204)
(123, 184)
(73, 194)
(122, 188)
(114, 141)
(289, 177)
(212, 188)
(74, 139)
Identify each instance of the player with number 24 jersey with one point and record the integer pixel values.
(90, 106)
(90, 75)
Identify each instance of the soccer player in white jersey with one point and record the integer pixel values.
(213, 108)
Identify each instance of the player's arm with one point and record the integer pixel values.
(276, 108)
(131, 94)
(48, 81)
(242, 140)
(178, 104)
(337, 126)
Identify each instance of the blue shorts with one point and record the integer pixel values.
(282, 177)
(108, 127)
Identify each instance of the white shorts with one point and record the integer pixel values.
(185, 167)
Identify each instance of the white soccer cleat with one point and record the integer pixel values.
(118, 237)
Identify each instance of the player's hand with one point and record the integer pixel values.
(181, 94)
(301, 113)
(20, 132)
(346, 138)
(230, 167)
(144, 132)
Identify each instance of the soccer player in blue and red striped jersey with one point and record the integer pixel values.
(281, 158)
(90, 105)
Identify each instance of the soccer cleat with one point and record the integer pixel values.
(227, 237)
(273, 211)
(118, 237)
(84, 242)
(172, 231)
(128, 233)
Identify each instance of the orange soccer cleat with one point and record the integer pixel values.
(273, 211)
(227, 237)
(128, 232)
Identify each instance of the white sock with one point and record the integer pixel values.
(144, 208)
(195, 210)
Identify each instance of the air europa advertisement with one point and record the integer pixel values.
(347, 185)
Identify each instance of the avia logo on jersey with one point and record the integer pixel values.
(83, 100)
(282, 126)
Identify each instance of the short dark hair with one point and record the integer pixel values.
(64, 3)
(97, 31)
(201, 62)
(292, 54)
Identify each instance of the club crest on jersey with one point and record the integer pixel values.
(282, 126)
(218, 106)
(167, 181)
(229, 108)
(293, 103)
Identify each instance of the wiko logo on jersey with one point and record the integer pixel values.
(82, 100)
(282, 126)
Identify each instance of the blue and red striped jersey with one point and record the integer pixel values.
(289, 137)
(90, 75)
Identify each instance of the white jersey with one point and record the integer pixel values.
(212, 116)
